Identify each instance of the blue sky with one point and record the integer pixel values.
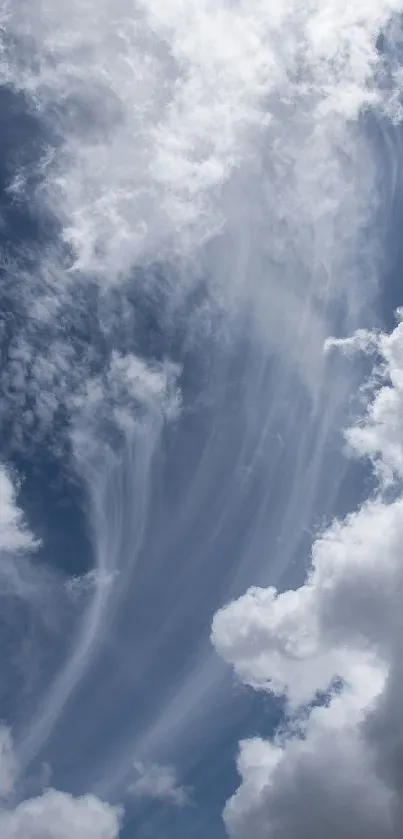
(200, 507)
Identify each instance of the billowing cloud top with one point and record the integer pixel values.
(335, 769)
(191, 210)
(53, 814)
(56, 815)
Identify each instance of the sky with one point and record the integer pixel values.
(201, 438)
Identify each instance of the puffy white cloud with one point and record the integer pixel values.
(14, 533)
(157, 781)
(160, 105)
(380, 436)
(335, 770)
(34, 584)
(52, 815)
(169, 117)
(56, 815)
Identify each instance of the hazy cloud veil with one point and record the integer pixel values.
(200, 415)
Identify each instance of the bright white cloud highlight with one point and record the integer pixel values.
(336, 770)
(161, 105)
(217, 144)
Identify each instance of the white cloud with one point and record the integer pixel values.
(52, 815)
(380, 437)
(336, 770)
(57, 815)
(157, 781)
(175, 120)
(14, 534)
(128, 390)
(34, 584)
(129, 398)
(50, 381)
(160, 105)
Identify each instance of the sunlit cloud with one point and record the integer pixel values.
(337, 765)
(196, 215)
(15, 536)
(52, 814)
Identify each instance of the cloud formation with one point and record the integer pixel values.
(57, 815)
(52, 815)
(15, 536)
(160, 782)
(159, 106)
(210, 182)
(336, 642)
(8, 765)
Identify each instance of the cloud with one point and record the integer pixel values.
(128, 395)
(160, 105)
(225, 139)
(84, 585)
(159, 782)
(378, 438)
(8, 764)
(36, 586)
(168, 126)
(335, 769)
(20, 577)
(52, 815)
(57, 815)
(15, 536)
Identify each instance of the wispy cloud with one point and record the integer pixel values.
(213, 190)
(15, 536)
(8, 763)
(160, 782)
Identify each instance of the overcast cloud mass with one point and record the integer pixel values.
(201, 433)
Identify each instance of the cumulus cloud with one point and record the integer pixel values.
(160, 782)
(333, 649)
(57, 815)
(15, 536)
(52, 815)
(36, 586)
